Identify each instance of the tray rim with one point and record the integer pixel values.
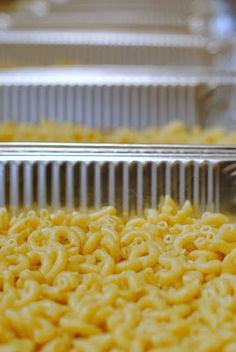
(105, 37)
(117, 75)
(135, 151)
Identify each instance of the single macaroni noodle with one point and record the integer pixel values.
(173, 133)
(164, 281)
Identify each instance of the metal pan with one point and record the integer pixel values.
(111, 98)
(129, 178)
(103, 20)
(37, 48)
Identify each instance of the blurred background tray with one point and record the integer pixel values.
(110, 48)
(112, 97)
(146, 20)
(177, 16)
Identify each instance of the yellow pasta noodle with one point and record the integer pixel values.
(164, 281)
(173, 133)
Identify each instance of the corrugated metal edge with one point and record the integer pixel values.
(130, 179)
(113, 98)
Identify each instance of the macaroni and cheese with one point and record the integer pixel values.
(70, 281)
(174, 133)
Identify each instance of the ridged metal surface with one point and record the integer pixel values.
(129, 179)
(106, 99)
(100, 107)
(110, 48)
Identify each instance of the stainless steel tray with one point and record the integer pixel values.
(167, 5)
(112, 97)
(168, 15)
(106, 19)
(129, 178)
(182, 16)
(22, 48)
(181, 6)
(195, 15)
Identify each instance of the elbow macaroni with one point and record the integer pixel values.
(173, 133)
(74, 282)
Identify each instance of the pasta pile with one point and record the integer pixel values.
(173, 133)
(94, 282)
